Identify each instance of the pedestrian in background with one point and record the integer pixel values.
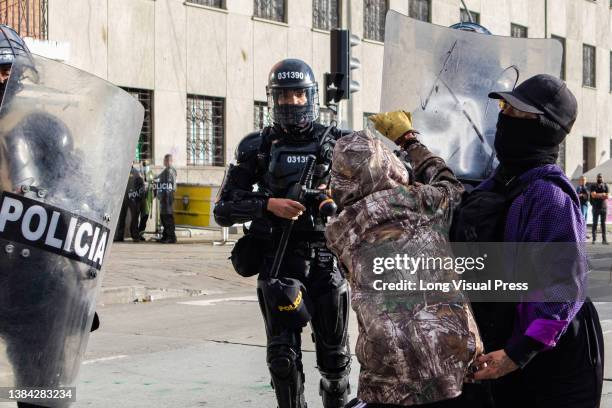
(120, 229)
(146, 201)
(583, 195)
(599, 203)
(135, 195)
(166, 186)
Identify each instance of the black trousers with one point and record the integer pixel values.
(119, 230)
(568, 376)
(142, 225)
(134, 219)
(167, 221)
(327, 298)
(599, 214)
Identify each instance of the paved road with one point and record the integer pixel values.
(207, 350)
(204, 352)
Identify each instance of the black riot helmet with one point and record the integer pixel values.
(473, 27)
(293, 94)
(11, 45)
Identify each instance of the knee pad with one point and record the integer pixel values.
(334, 389)
(330, 327)
(287, 376)
(282, 360)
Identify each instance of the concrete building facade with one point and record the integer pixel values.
(204, 64)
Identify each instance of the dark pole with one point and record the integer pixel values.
(545, 18)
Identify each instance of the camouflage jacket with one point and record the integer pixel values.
(414, 346)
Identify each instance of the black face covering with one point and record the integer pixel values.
(522, 144)
(296, 133)
(2, 89)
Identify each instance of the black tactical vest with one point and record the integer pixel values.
(282, 162)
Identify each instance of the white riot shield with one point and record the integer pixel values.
(67, 139)
(443, 76)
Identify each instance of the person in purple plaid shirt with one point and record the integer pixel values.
(554, 355)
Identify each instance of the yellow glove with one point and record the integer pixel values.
(392, 125)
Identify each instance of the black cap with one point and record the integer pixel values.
(544, 95)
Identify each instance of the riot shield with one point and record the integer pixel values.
(67, 139)
(443, 76)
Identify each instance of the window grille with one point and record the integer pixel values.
(325, 14)
(205, 131)
(28, 17)
(270, 10)
(420, 10)
(518, 31)
(374, 12)
(261, 115)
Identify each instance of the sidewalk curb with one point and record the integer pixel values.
(136, 294)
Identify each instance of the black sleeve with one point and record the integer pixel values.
(237, 202)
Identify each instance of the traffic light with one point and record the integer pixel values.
(338, 83)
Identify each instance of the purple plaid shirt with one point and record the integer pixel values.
(548, 210)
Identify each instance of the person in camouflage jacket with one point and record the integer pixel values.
(414, 346)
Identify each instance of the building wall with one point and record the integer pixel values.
(175, 48)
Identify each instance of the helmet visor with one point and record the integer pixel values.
(293, 106)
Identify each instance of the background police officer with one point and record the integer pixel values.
(274, 159)
(166, 186)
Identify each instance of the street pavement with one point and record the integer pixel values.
(194, 336)
(195, 351)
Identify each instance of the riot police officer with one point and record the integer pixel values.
(273, 159)
(48, 283)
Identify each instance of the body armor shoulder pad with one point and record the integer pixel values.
(343, 132)
(334, 133)
(248, 147)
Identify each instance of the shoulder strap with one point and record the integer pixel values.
(263, 154)
(325, 135)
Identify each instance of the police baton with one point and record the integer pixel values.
(296, 192)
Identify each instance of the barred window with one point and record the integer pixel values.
(588, 65)
(30, 18)
(518, 31)
(261, 115)
(205, 131)
(209, 3)
(325, 14)
(562, 41)
(270, 10)
(144, 149)
(464, 18)
(326, 116)
(374, 12)
(420, 10)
